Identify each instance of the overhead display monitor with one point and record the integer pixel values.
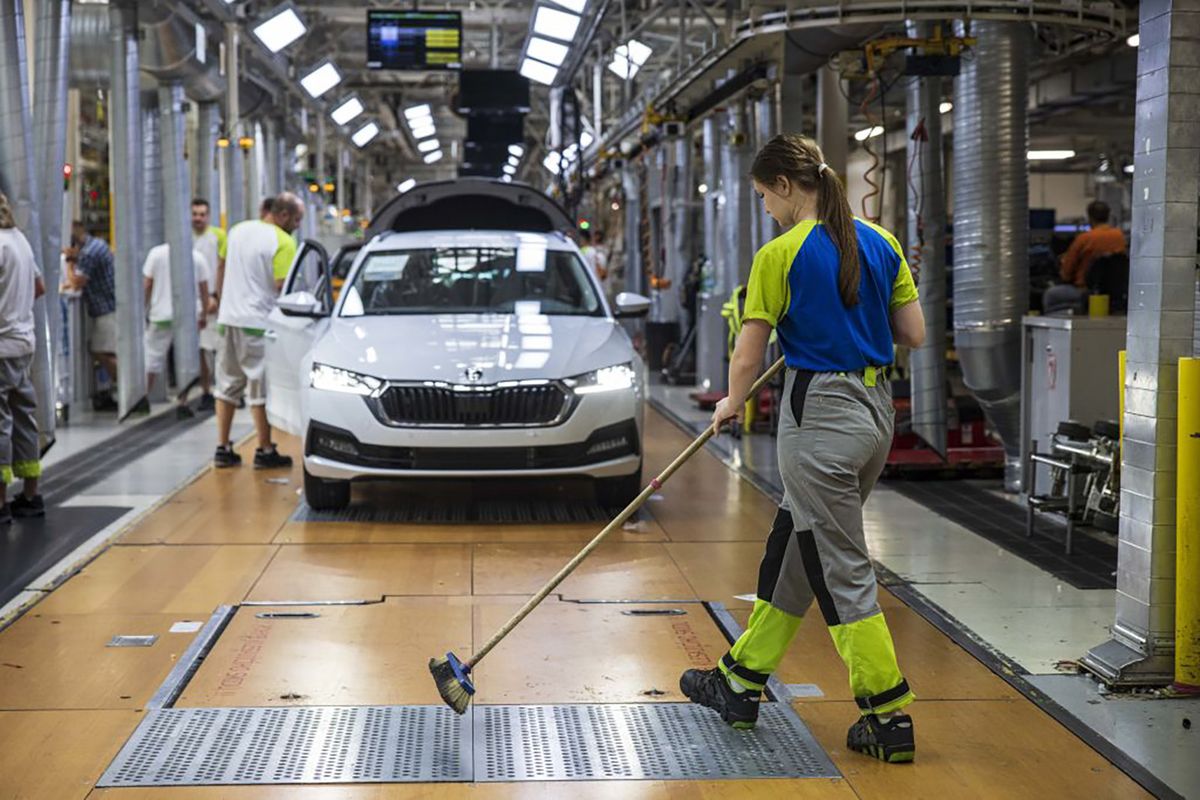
(414, 40)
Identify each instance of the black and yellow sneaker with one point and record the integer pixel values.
(889, 740)
(710, 688)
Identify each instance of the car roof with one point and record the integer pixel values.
(391, 240)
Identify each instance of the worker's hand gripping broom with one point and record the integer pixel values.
(452, 675)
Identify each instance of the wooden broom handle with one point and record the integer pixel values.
(620, 519)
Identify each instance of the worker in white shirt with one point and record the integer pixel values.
(209, 241)
(160, 330)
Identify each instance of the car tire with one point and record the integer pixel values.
(618, 492)
(323, 495)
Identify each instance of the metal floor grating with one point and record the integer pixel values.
(439, 511)
(404, 744)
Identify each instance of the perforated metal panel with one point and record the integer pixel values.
(439, 511)
(659, 741)
(393, 744)
(351, 744)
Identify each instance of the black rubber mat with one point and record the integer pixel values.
(1092, 565)
(29, 547)
(81, 471)
(448, 511)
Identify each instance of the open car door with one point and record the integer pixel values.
(299, 317)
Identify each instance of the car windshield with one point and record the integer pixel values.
(527, 278)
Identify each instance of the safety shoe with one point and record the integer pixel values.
(207, 402)
(271, 459)
(710, 687)
(888, 740)
(226, 457)
(24, 507)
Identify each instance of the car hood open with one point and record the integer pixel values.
(472, 348)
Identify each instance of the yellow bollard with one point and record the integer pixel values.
(1187, 531)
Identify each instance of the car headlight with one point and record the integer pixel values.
(332, 379)
(606, 379)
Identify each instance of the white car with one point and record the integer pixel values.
(466, 339)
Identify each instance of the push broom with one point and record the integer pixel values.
(452, 674)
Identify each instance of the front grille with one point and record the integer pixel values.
(604, 444)
(543, 404)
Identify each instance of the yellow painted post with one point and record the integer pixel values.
(1187, 531)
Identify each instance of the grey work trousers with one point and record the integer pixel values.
(18, 420)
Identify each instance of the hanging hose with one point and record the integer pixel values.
(921, 136)
(865, 108)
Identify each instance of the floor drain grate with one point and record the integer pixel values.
(435, 512)
(399, 744)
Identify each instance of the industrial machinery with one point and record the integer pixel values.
(1084, 467)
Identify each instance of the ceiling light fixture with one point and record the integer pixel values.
(575, 5)
(1050, 155)
(434, 157)
(868, 133)
(555, 24)
(509, 169)
(424, 132)
(405, 185)
(516, 150)
(415, 112)
(552, 53)
(365, 134)
(552, 162)
(321, 79)
(429, 145)
(629, 58)
(516, 162)
(281, 28)
(946, 107)
(537, 71)
(1134, 40)
(347, 110)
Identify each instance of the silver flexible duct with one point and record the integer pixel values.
(765, 126)
(635, 278)
(927, 253)
(125, 163)
(710, 327)
(18, 181)
(153, 226)
(991, 225)
(177, 221)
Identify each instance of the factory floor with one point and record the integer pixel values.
(387, 595)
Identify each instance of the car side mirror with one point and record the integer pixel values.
(301, 304)
(632, 305)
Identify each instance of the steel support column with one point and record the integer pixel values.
(206, 177)
(125, 165)
(833, 119)
(927, 251)
(710, 330)
(765, 127)
(1161, 324)
(235, 170)
(175, 183)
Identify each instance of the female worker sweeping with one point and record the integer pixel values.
(839, 294)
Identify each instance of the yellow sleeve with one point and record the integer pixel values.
(220, 243)
(767, 289)
(904, 291)
(285, 254)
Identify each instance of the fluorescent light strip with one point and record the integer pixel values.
(348, 110)
(414, 112)
(509, 169)
(434, 157)
(545, 50)
(868, 133)
(405, 185)
(575, 5)
(429, 145)
(1050, 155)
(365, 134)
(280, 30)
(516, 150)
(537, 71)
(321, 80)
(424, 132)
(555, 24)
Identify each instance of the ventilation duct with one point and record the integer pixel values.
(153, 225)
(927, 253)
(991, 225)
(167, 52)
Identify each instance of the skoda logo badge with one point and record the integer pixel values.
(473, 374)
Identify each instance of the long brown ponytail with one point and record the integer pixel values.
(799, 158)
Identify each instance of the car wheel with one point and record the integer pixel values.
(323, 495)
(618, 492)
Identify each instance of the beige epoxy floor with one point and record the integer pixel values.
(226, 538)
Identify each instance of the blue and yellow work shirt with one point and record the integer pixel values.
(794, 287)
